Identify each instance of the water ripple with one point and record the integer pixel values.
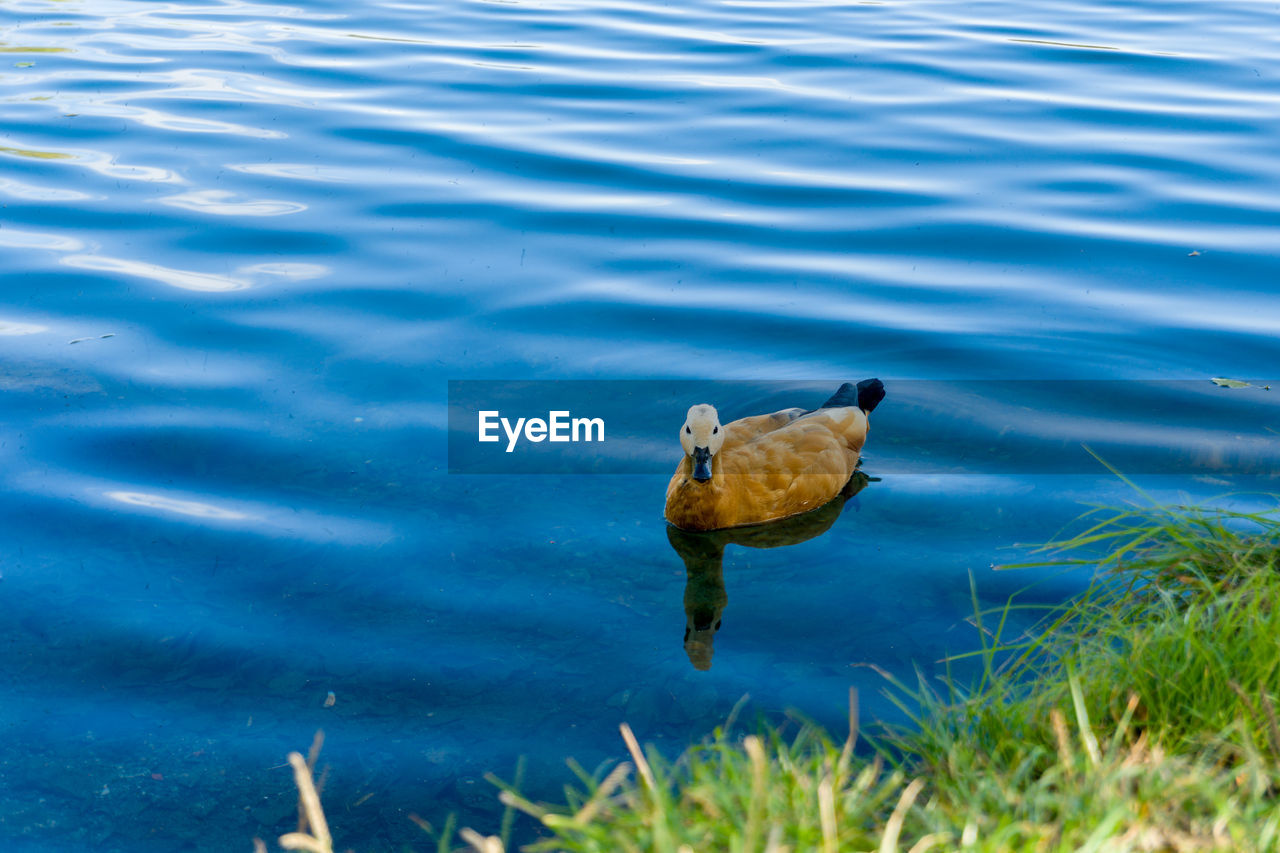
(17, 239)
(183, 279)
(224, 203)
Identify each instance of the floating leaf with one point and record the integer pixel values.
(23, 64)
(1230, 383)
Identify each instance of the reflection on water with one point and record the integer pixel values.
(705, 596)
(33, 153)
(183, 279)
(223, 203)
(193, 508)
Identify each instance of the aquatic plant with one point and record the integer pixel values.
(1139, 716)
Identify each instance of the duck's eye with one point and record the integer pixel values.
(689, 431)
(715, 430)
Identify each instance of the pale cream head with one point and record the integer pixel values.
(701, 437)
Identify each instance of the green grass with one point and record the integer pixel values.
(1141, 716)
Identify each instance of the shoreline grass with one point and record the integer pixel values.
(1139, 716)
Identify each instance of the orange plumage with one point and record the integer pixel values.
(767, 467)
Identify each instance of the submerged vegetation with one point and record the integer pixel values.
(1141, 716)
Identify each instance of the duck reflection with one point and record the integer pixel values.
(703, 553)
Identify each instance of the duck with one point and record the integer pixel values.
(767, 467)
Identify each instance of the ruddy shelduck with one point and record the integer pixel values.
(767, 467)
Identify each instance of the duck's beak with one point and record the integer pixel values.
(702, 464)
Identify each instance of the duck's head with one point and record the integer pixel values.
(701, 437)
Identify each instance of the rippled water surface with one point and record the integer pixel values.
(245, 247)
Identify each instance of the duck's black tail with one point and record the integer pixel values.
(866, 395)
(870, 393)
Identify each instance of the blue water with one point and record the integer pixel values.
(245, 246)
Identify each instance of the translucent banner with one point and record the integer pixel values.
(921, 427)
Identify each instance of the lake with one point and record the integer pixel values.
(263, 262)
